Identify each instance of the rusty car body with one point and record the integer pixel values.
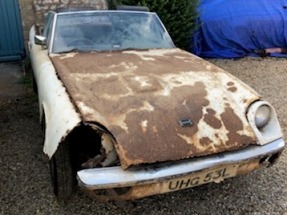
(124, 109)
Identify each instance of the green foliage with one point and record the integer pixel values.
(178, 16)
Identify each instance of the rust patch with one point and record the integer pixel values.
(234, 125)
(231, 86)
(211, 119)
(232, 89)
(249, 166)
(230, 83)
(163, 144)
(140, 96)
(205, 141)
(245, 101)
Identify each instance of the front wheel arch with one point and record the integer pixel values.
(61, 170)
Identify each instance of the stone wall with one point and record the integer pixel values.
(34, 11)
(27, 15)
(41, 7)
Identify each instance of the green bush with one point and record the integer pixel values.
(178, 16)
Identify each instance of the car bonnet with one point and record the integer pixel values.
(160, 105)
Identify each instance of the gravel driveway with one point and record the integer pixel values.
(25, 180)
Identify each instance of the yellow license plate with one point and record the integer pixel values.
(195, 179)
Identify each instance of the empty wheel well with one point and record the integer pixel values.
(84, 143)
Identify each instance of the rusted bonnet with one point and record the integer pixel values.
(160, 105)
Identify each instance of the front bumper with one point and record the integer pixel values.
(250, 158)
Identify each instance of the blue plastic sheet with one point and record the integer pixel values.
(235, 28)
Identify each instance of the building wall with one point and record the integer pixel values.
(27, 15)
(33, 11)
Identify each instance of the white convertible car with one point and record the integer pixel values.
(126, 111)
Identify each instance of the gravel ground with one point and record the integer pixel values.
(24, 172)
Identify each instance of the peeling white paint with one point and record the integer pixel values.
(116, 97)
(144, 126)
(187, 139)
(88, 110)
(208, 67)
(154, 52)
(147, 107)
(108, 145)
(143, 81)
(119, 120)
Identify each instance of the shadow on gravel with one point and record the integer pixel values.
(10, 75)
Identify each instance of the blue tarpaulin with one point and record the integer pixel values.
(236, 28)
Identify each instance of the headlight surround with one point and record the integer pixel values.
(262, 116)
(264, 122)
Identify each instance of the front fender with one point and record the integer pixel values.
(60, 114)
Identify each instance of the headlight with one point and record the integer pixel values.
(262, 116)
(263, 120)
